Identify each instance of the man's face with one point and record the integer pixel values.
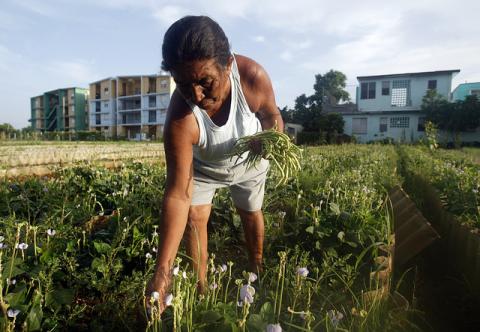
(203, 82)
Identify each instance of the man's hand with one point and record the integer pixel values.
(157, 290)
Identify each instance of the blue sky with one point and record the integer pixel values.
(50, 44)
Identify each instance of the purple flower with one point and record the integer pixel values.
(274, 328)
(303, 272)
(247, 293)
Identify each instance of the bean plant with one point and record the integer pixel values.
(77, 248)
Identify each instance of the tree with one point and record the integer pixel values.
(330, 88)
(461, 115)
(6, 130)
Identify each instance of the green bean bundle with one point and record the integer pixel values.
(274, 146)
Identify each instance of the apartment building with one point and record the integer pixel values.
(131, 106)
(60, 110)
(389, 106)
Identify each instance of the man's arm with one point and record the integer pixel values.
(268, 112)
(258, 90)
(178, 141)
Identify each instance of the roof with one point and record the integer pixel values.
(423, 73)
(340, 108)
(364, 113)
(130, 76)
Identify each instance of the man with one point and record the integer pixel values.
(219, 97)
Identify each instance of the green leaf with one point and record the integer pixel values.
(210, 317)
(15, 269)
(256, 323)
(266, 311)
(335, 208)
(18, 297)
(59, 297)
(310, 229)
(71, 246)
(341, 236)
(102, 247)
(34, 318)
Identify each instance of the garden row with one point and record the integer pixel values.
(77, 249)
(445, 185)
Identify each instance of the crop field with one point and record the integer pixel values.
(77, 247)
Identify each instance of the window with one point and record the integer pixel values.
(152, 101)
(432, 84)
(400, 122)
(367, 90)
(105, 105)
(475, 93)
(151, 85)
(97, 106)
(105, 90)
(383, 125)
(359, 125)
(98, 119)
(385, 88)
(421, 124)
(164, 84)
(152, 116)
(401, 93)
(124, 118)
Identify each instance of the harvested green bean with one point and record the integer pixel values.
(274, 146)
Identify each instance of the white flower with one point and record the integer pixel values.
(148, 255)
(3, 246)
(184, 275)
(335, 317)
(155, 295)
(154, 249)
(12, 313)
(1, 238)
(154, 234)
(303, 272)
(168, 299)
(274, 328)
(22, 246)
(213, 270)
(223, 267)
(213, 286)
(175, 270)
(11, 281)
(282, 214)
(303, 315)
(252, 277)
(246, 293)
(51, 232)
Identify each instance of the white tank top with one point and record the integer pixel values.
(216, 142)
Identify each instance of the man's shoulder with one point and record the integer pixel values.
(250, 70)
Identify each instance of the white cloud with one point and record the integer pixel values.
(286, 56)
(166, 15)
(73, 72)
(258, 39)
(38, 7)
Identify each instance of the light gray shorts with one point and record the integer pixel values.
(247, 185)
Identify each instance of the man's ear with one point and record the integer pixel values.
(230, 63)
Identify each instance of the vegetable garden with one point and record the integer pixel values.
(77, 248)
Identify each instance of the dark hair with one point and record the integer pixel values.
(194, 38)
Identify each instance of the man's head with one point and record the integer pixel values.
(194, 38)
(197, 54)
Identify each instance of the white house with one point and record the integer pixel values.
(389, 106)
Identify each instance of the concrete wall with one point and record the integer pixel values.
(373, 127)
